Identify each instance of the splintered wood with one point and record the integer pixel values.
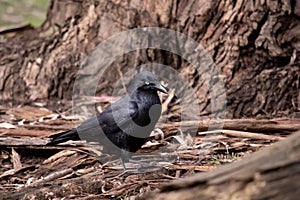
(271, 173)
(77, 170)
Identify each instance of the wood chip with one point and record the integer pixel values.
(53, 176)
(56, 156)
(7, 125)
(16, 159)
(29, 113)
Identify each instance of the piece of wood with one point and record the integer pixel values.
(243, 134)
(272, 173)
(25, 141)
(16, 159)
(53, 176)
(29, 113)
(237, 127)
(26, 132)
(194, 167)
(252, 125)
(244, 125)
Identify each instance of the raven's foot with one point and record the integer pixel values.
(143, 164)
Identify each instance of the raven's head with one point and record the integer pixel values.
(146, 81)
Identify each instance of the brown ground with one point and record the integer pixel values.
(31, 170)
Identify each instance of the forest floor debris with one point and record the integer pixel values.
(29, 169)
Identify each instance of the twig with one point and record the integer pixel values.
(194, 167)
(167, 101)
(53, 176)
(122, 79)
(243, 134)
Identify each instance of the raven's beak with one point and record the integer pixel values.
(161, 88)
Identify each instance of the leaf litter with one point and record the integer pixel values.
(31, 170)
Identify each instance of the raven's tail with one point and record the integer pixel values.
(64, 136)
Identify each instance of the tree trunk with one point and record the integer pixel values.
(255, 44)
(272, 173)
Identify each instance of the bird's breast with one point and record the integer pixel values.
(149, 110)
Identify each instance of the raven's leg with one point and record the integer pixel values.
(126, 157)
(143, 164)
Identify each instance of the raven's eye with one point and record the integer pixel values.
(147, 83)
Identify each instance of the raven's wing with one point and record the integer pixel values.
(108, 122)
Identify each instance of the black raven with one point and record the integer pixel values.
(127, 123)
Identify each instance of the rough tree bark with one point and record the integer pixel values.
(272, 173)
(255, 44)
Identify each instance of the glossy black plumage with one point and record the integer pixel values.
(127, 123)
